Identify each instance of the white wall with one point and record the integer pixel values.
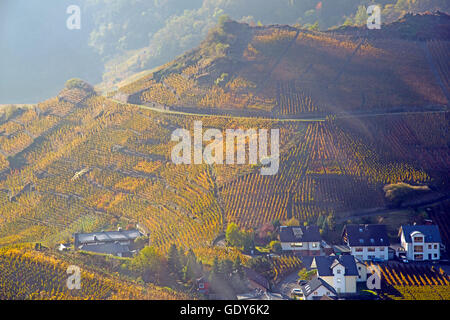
(288, 246)
(339, 283)
(350, 284)
(409, 247)
(380, 253)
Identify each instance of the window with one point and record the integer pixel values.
(314, 245)
(297, 245)
(418, 248)
(339, 271)
(430, 246)
(418, 257)
(418, 239)
(359, 249)
(201, 286)
(315, 293)
(435, 246)
(372, 240)
(435, 255)
(338, 280)
(361, 241)
(371, 249)
(328, 293)
(382, 249)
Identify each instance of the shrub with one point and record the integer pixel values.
(275, 246)
(79, 84)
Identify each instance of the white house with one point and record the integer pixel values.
(305, 241)
(421, 242)
(367, 242)
(317, 288)
(341, 272)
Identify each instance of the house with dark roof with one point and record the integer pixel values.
(316, 289)
(421, 242)
(115, 249)
(340, 272)
(256, 280)
(367, 241)
(116, 243)
(305, 241)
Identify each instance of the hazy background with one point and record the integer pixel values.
(121, 37)
(38, 53)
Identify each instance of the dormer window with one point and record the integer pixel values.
(361, 240)
(361, 229)
(372, 240)
(381, 239)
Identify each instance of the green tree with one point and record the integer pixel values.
(276, 223)
(232, 235)
(331, 221)
(215, 269)
(304, 274)
(238, 268)
(148, 263)
(173, 261)
(275, 246)
(227, 269)
(247, 240)
(192, 269)
(361, 16)
(292, 222)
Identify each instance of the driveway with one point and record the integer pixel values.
(285, 286)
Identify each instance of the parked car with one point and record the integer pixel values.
(297, 292)
(302, 282)
(405, 260)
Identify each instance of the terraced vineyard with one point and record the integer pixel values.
(271, 77)
(414, 283)
(99, 160)
(81, 162)
(340, 166)
(29, 275)
(285, 265)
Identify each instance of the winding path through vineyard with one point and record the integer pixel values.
(405, 111)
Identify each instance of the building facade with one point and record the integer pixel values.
(367, 242)
(305, 241)
(421, 243)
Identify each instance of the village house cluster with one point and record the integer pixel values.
(339, 268)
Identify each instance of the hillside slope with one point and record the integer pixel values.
(83, 162)
(26, 274)
(282, 71)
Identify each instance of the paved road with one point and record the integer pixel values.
(295, 119)
(287, 284)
